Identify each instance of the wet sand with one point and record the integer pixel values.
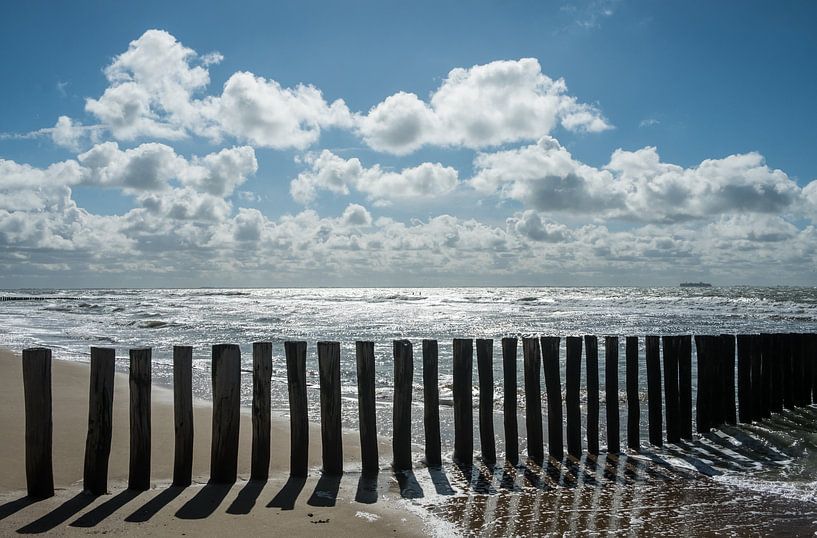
(629, 496)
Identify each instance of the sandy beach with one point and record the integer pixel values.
(673, 490)
(296, 507)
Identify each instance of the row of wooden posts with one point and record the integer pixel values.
(774, 371)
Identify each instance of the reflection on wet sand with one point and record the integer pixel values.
(681, 488)
(658, 497)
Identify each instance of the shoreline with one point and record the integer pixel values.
(70, 407)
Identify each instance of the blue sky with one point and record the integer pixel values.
(697, 81)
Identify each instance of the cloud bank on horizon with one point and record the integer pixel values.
(563, 221)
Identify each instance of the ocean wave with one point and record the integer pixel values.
(400, 297)
(154, 324)
(231, 293)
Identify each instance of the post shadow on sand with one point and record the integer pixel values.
(409, 487)
(246, 498)
(286, 497)
(441, 484)
(94, 517)
(12, 507)
(151, 508)
(508, 479)
(367, 488)
(205, 502)
(59, 515)
(325, 493)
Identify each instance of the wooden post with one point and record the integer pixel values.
(777, 356)
(787, 370)
(767, 376)
(744, 378)
(553, 385)
(755, 400)
(653, 359)
(509, 407)
(331, 440)
(811, 366)
(685, 386)
(705, 403)
(611, 393)
(261, 381)
(633, 400)
(39, 422)
(463, 405)
(226, 377)
(728, 358)
(533, 398)
(298, 414)
(140, 379)
(183, 415)
(671, 388)
(591, 345)
(485, 369)
(808, 362)
(803, 373)
(573, 375)
(100, 412)
(364, 354)
(431, 403)
(403, 380)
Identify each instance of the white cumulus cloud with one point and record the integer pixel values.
(485, 105)
(336, 174)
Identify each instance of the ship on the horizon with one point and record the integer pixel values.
(695, 285)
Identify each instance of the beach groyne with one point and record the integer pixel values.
(740, 379)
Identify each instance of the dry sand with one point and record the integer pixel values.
(318, 505)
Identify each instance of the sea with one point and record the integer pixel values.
(70, 321)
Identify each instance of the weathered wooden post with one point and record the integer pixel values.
(100, 412)
(298, 411)
(685, 386)
(509, 406)
(329, 374)
(633, 400)
(463, 406)
(777, 356)
(812, 358)
(705, 403)
(653, 359)
(572, 387)
(808, 359)
(431, 403)
(553, 386)
(755, 400)
(744, 378)
(403, 379)
(140, 379)
(39, 422)
(767, 377)
(728, 360)
(671, 388)
(787, 370)
(803, 374)
(226, 377)
(591, 345)
(364, 355)
(533, 398)
(183, 415)
(261, 381)
(611, 394)
(485, 369)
